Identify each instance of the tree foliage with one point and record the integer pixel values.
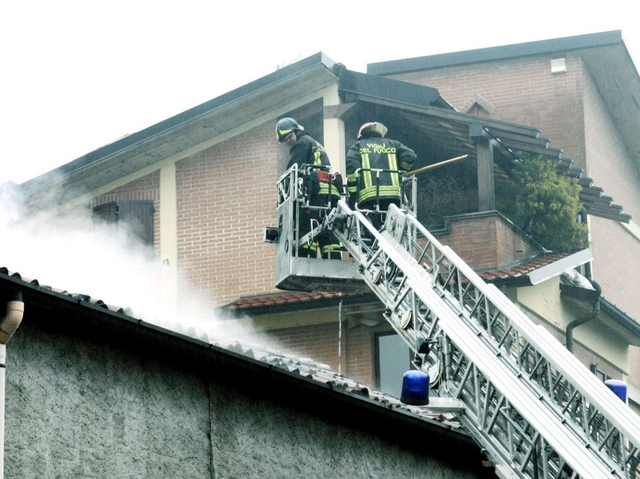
(544, 203)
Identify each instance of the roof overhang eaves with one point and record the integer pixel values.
(622, 318)
(618, 83)
(610, 315)
(318, 66)
(228, 311)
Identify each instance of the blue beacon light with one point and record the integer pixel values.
(415, 388)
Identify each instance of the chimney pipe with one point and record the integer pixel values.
(8, 325)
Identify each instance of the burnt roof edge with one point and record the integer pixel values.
(403, 93)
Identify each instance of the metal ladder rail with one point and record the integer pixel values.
(575, 393)
(501, 411)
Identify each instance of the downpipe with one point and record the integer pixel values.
(585, 319)
(8, 325)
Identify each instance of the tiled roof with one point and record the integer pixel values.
(322, 373)
(306, 368)
(79, 297)
(284, 299)
(522, 269)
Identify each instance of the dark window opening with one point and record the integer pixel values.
(135, 216)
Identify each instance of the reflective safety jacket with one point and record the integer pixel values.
(377, 153)
(307, 151)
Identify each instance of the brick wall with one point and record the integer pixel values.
(320, 342)
(348, 348)
(486, 241)
(608, 160)
(612, 166)
(361, 352)
(616, 253)
(520, 90)
(226, 197)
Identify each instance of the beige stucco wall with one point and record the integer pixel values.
(544, 301)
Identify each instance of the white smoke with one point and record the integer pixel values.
(73, 252)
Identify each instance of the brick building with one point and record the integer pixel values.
(581, 93)
(198, 189)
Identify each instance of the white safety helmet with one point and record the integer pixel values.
(372, 127)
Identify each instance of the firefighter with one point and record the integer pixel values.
(307, 152)
(376, 190)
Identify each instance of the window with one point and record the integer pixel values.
(137, 216)
(393, 358)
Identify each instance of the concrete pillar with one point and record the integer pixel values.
(484, 153)
(486, 187)
(334, 138)
(169, 236)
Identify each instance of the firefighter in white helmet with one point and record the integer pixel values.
(379, 160)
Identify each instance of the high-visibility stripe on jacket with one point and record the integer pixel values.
(377, 154)
(307, 151)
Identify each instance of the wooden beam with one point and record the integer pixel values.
(486, 187)
(438, 165)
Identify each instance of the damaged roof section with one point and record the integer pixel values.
(451, 133)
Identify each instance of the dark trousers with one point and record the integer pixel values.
(377, 217)
(327, 243)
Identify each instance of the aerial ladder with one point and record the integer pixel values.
(535, 410)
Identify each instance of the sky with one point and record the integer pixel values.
(77, 75)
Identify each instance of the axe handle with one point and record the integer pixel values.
(438, 165)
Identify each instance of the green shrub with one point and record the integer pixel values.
(544, 203)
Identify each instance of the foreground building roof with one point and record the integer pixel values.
(222, 354)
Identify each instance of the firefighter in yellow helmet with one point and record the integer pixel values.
(306, 151)
(379, 159)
